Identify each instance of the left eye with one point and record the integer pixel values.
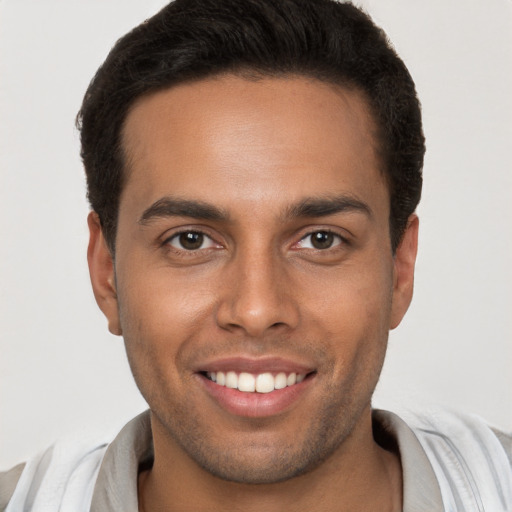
(191, 241)
(320, 240)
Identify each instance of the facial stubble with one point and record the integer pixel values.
(254, 460)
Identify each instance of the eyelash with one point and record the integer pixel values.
(338, 239)
(176, 236)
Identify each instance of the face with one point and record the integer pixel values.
(254, 280)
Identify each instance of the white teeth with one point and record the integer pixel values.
(246, 382)
(280, 381)
(221, 378)
(265, 383)
(231, 380)
(261, 383)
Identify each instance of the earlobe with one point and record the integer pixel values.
(101, 271)
(403, 272)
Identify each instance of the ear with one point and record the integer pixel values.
(101, 270)
(403, 272)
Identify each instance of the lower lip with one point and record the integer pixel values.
(255, 405)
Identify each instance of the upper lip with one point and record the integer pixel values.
(255, 365)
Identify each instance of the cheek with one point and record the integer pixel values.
(350, 298)
(352, 313)
(160, 318)
(157, 298)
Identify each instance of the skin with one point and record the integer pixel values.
(257, 287)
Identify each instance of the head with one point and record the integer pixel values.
(192, 40)
(254, 168)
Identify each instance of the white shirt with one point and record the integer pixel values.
(450, 463)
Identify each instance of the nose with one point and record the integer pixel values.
(258, 296)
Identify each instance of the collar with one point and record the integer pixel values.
(116, 485)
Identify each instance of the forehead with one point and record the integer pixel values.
(273, 139)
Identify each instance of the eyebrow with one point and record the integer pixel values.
(173, 207)
(309, 207)
(325, 206)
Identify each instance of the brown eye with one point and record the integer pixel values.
(191, 241)
(322, 240)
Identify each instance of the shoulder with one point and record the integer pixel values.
(505, 438)
(468, 434)
(8, 482)
(471, 460)
(85, 465)
(64, 473)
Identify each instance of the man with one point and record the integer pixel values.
(253, 170)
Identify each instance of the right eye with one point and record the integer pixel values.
(190, 241)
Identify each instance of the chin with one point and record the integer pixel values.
(269, 466)
(260, 456)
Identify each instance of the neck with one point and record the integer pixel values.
(360, 476)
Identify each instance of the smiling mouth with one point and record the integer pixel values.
(259, 383)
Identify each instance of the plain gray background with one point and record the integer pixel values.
(60, 370)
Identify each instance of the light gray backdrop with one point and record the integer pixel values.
(60, 370)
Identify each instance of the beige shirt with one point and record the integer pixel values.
(132, 449)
